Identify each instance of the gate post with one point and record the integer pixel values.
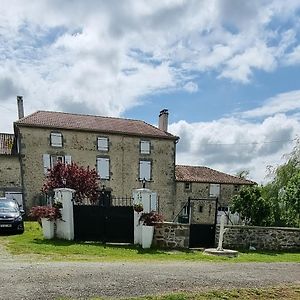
(65, 227)
(149, 201)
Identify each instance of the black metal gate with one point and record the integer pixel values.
(203, 235)
(104, 222)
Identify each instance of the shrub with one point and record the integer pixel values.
(151, 218)
(50, 213)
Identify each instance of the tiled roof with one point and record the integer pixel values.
(59, 120)
(6, 143)
(206, 175)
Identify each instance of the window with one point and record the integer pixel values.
(56, 139)
(102, 144)
(185, 211)
(214, 190)
(187, 186)
(236, 188)
(145, 170)
(145, 147)
(200, 208)
(103, 167)
(49, 161)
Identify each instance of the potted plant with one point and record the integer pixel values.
(47, 215)
(148, 221)
(138, 207)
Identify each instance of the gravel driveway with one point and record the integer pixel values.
(51, 280)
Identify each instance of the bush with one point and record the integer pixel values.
(151, 218)
(50, 213)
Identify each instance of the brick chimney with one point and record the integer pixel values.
(163, 120)
(20, 107)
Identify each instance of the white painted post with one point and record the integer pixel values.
(65, 227)
(149, 202)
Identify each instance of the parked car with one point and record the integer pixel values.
(11, 216)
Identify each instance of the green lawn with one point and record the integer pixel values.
(32, 244)
(284, 292)
(280, 292)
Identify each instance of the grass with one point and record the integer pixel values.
(281, 292)
(32, 244)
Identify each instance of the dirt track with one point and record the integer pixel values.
(79, 280)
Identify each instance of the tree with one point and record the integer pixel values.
(252, 207)
(83, 180)
(284, 176)
(291, 201)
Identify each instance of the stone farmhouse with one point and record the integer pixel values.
(127, 154)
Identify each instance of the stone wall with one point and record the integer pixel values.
(262, 238)
(124, 154)
(171, 235)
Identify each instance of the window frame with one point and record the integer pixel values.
(189, 187)
(150, 171)
(98, 167)
(142, 150)
(105, 148)
(214, 185)
(56, 134)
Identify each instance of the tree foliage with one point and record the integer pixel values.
(282, 191)
(83, 180)
(253, 208)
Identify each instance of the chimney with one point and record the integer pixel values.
(163, 120)
(20, 107)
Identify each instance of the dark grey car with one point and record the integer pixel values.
(11, 217)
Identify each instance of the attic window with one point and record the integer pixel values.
(187, 186)
(236, 188)
(56, 139)
(102, 144)
(145, 147)
(214, 190)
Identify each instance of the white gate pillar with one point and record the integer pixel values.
(149, 201)
(65, 227)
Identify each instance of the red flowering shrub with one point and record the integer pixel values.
(149, 219)
(50, 213)
(83, 180)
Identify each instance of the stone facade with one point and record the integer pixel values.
(262, 238)
(202, 211)
(171, 235)
(124, 154)
(10, 175)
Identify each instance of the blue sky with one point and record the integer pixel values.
(227, 70)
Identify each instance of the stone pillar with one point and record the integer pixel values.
(65, 227)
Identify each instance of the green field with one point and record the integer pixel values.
(32, 245)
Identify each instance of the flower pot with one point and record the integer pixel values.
(147, 236)
(48, 228)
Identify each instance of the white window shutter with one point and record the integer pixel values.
(68, 159)
(214, 190)
(145, 170)
(46, 163)
(102, 143)
(145, 147)
(103, 167)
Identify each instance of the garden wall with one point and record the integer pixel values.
(171, 235)
(264, 238)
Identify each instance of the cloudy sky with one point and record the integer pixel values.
(227, 70)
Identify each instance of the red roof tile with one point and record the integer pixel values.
(59, 120)
(206, 175)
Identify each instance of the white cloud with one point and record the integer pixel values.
(191, 87)
(281, 103)
(231, 144)
(104, 56)
(293, 57)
